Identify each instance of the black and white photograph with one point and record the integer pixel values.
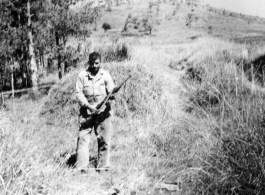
(132, 97)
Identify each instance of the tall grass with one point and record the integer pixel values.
(235, 162)
(137, 104)
(152, 139)
(216, 147)
(116, 51)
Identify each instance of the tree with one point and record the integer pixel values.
(106, 26)
(31, 30)
(18, 20)
(108, 2)
(32, 59)
(67, 22)
(127, 21)
(189, 19)
(148, 25)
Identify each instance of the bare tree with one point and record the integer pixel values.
(32, 59)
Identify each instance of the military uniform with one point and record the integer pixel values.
(91, 90)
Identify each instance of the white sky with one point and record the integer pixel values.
(249, 7)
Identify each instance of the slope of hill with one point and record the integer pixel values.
(191, 117)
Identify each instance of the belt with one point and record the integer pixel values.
(95, 99)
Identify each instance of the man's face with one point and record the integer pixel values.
(94, 65)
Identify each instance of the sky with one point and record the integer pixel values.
(249, 7)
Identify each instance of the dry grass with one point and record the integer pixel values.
(207, 135)
(234, 164)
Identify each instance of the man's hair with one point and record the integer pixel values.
(94, 56)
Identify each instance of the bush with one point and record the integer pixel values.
(114, 52)
(210, 30)
(106, 26)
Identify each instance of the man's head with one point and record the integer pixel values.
(94, 62)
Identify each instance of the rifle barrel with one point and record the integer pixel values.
(116, 89)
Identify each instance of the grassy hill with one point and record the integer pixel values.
(191, 117)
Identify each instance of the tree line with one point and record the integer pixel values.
(33, 33)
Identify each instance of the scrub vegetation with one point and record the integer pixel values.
(191, 116)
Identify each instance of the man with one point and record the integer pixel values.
(92, 86)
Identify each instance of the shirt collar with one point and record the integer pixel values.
(100, 73)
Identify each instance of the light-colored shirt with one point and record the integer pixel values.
(93, 89)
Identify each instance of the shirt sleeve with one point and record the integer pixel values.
(79, 92)
(109, 82)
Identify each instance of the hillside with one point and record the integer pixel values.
(189, 121)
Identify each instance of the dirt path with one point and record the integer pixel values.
(157, 61)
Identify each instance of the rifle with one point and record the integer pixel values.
(114, 91)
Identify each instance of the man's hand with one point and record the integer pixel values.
(92, 109)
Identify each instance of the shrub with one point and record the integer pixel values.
(210, 30)
(106, 26)
(114, 52)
